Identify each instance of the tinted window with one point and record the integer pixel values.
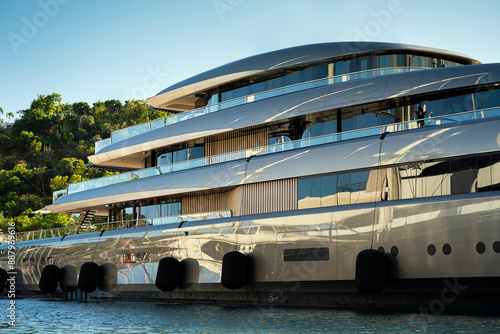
(487, 99)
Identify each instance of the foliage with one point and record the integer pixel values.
(47, 148)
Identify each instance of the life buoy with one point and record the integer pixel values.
(189, 273)
(68, 281)
(51, 274)
(89, 277)
(370, 271)
(234, 270)
(108, 277)
(3, 279)
(168, 275)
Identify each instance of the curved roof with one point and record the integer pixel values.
(281, 59)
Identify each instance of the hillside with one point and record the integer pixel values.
(47, 148)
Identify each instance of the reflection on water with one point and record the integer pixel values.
(120, 317)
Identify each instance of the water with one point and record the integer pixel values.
(120, 317)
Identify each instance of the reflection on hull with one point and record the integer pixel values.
(423, 240)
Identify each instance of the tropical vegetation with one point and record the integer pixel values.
(47, 148)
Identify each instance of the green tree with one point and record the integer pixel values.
(59, 183)
(48, 147)
(70, 166)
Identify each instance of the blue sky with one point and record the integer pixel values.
(121, 49)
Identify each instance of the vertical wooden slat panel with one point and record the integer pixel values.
(236, 141)
(273, 196)
(204, 203)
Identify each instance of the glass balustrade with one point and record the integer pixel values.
(117, 225)
(135, 130)
(331, 138)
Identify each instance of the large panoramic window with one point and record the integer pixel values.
(337, 189)
(462, 103)
(340, 68)
(424, 179)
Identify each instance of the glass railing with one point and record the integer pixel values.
(99, 145)
(58, 194)
(70, 230)
(192, 217)
(111, 226)
(332, 138)
(135, 130)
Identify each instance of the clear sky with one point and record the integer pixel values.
(91, 50)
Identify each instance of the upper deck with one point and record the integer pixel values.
(333, 59)
(264, 77)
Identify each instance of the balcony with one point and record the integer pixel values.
(269, 149)
(135, 130)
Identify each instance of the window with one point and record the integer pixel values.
(450, 177)
(363, 64)
(328, 190)
(320, 129)
(487, 99)
(384, 61)
(309, 192)
(258, 87)
(185, 154)
(420, 61)
(279, 140)
(214, 99)
(180, 155)
(196, 152)
(165, 158)
(457, 104)
(423, 179)
(448, 63)
(242, 91)
(160, 210)
(293, 79)
(462, 103)
(345, 67)
(392, 60)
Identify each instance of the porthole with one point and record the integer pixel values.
(446, 249)
(381, 250)
(431, 249)
(496, 246)
(480, 247)
(394, 251)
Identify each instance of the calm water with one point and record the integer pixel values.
(120, 317)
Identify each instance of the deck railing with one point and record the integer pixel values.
(135, 130)
(116, 225)
(302, 143)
